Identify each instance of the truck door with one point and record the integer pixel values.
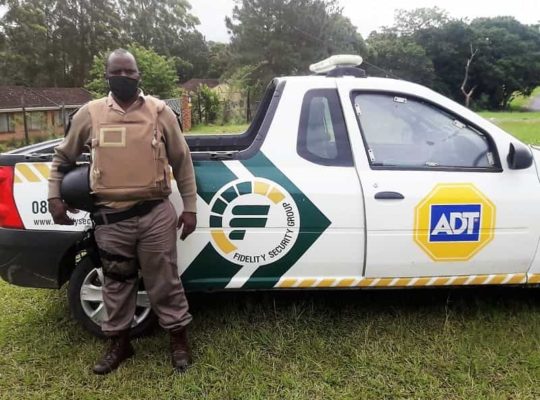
(308, 141)
(439, 198)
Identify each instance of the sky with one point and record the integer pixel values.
(370, 15)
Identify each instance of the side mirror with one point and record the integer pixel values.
(519, 157)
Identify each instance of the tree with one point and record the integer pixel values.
(448, 47)
(158, 73)
(193, 51)
(83, 28)
(157, 24)
(409, 22)
(468, 93)
(284, 37)
(53, 42)
(484, 62)
(205, 105)
(26, 41)
(168, 27)
(399, 57)
(219, 59)
(508, 60)
(50, 43)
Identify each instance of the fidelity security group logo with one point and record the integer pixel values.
(253, 222)
(454, 222)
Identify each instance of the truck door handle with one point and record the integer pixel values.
(389, 196)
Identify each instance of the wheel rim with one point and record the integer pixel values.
(91, 297)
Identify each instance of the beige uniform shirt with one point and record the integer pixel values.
(79, 136)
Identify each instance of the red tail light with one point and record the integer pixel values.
(9, 216)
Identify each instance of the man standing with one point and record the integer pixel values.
(134, 140)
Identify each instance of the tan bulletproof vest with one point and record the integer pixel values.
(129, 158)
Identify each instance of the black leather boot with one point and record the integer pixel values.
(180, 352)
(119, 349)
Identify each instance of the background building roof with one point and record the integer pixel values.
(193, 84)
(12, 97)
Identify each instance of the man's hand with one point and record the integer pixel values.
(187, 222)
(58, 210)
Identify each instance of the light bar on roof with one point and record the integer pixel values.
(341, 60)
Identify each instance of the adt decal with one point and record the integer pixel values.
(454, 222)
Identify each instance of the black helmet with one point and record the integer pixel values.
(75, 188)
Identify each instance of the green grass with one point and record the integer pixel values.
(421, 344)
(520, 103)
(523, 125)
(216, 129)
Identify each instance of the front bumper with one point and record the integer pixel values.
(33, 258)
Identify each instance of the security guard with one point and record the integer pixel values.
(134, 141)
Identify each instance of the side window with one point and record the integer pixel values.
(322, 134)
(36, 120)
(7, 124)
(409, 133)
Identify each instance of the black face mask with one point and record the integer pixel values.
(123, 88)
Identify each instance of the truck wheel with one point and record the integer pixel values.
(85, 299)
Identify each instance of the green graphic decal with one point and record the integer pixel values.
(211, 176)
(312, 224)
(209, 270)
(264, 224)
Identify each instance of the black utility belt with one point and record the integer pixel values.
(138, 210)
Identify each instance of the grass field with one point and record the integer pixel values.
(417, 344)
(520, 103)
(523, 125)
(422, 344)
(215, 129)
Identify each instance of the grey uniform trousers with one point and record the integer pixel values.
(150, 239)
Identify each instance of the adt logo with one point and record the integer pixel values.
(455, 223)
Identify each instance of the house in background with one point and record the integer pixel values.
(46, 110)
(233, 100)
(192, 86)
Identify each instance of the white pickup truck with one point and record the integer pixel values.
(341, 181)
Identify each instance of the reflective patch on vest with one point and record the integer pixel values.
(112, 137)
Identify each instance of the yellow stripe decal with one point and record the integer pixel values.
(287, 283)
(460, 280)
(326, 282)
(497, 280)
(383, 282)
(441, 281)
(346, 282)
(502, 279)
(27, 173)
(261, 188)
(43, 169)
(17, 179)
(479, 280)
(365, 282)
(402, 282)
(276, 196)
(519, 278)
(422, 282)
(222, 241)
(307, 282)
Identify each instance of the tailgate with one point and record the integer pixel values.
(30, 194)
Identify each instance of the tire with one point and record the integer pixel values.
(86, 302)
